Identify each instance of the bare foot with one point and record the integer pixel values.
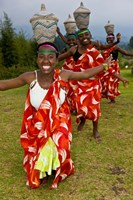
(112, 101)
(44, 180)
(97, 136)
(81, 124)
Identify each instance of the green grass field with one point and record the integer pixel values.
(102, 171)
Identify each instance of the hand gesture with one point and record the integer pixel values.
(72, 50)
(118, 37)
(125, 82)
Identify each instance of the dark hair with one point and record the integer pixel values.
(51, 44)
(71, 35)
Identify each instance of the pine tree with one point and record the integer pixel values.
(7, 35)
(26, 50)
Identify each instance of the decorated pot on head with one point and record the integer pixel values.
(70, 25)
(109, 28)
(82, 16)
(44, 25)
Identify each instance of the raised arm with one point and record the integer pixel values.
(84, 75)
(121, 78)
(68, 53)
(19, 81)
(61, 36)
(101, 46)
(123, 52)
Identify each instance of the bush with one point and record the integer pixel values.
(12, 72)
(125, 61)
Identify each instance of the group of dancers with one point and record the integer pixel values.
(89, 73)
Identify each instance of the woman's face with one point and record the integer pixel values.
(84, 39)
(72, 42)
(110, 40)
(47, 59)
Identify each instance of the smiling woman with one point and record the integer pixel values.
(46, 132)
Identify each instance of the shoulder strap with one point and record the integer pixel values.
(36, 74)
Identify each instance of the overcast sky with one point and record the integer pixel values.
(119, 12)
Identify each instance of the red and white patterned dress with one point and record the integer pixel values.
(109, 82)
(51, 121)
(86, 94)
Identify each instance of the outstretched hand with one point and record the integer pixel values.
(118, 37)
(72, 50)
(125, 82)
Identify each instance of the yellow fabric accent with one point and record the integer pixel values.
(48, 159)
(105, 65)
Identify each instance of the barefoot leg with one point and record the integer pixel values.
(44, 180)
(112, 101)
(96, 134)
(81, 124)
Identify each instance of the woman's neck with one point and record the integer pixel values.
(82, 48)
(45, 80)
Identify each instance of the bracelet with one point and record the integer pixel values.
(105, 65)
